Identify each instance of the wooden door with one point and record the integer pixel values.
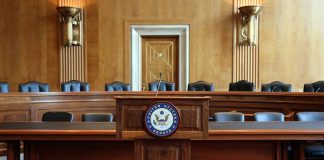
(159, 56)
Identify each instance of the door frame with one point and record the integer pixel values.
(137, 31)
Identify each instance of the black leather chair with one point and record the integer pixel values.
(75, 86)
(200, 86)
(33, 86)
(242, 85)
(228, 116)
(163, 86)
(312, 150)
(97, 117)
(276, 86)
(269, 116)
(57, 117)
(314, 87)
(117, 86)
(4, 87)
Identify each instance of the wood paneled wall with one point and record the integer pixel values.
(29, 42)
(210, 37)
(290, 44)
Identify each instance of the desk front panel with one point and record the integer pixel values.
(31, 106)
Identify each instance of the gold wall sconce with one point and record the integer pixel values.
(71, 26)
(248, 24)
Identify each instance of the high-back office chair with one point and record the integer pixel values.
(312, 151)
(97, 117)
(57, 117)
(4, 87)
(75, 86)
(33, 86)
(314, 87)
(242, 85)
(276, 86)
(200, 86)
(117, 86)
(228, 116)
(163, 86)
(269, 116)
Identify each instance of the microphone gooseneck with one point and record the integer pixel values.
(273, 88)
(318, 89)
(158, 87)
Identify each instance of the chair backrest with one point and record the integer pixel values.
(97, 117)
(33, 86)
(276, 86)
(269, 116)
(57, 117)
(242, 85)
(310, 116)
(75, 86)
(164, 86)
(117, 86)
(228, 116)
(314, 87)
(200, 86)
(4, 87)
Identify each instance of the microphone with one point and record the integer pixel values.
(273, 88)
(318, 89)
(158, 87)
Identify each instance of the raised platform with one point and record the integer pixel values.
(31, 106)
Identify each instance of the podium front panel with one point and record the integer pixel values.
(193, 113)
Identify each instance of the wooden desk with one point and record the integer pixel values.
(31, 106)
(292, 130)
(97, 141)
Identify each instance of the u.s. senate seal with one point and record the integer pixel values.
(162, 119)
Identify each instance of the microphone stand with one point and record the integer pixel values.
(158, 88)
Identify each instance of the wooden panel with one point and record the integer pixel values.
(225, 150)
(54, 150)
(245, 58)
(30, 106)
(15, 112)
(190, 118)
(210, 37)
(29, 42)
(159, 57)
(291, 42)
(15, 116)
(162, 149)
(133, 117)
(131, 110)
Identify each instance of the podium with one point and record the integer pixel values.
(132, 113)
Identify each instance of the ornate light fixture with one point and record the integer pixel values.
(71, 26)
(247, 28)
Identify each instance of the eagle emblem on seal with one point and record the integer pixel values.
(161, 119)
